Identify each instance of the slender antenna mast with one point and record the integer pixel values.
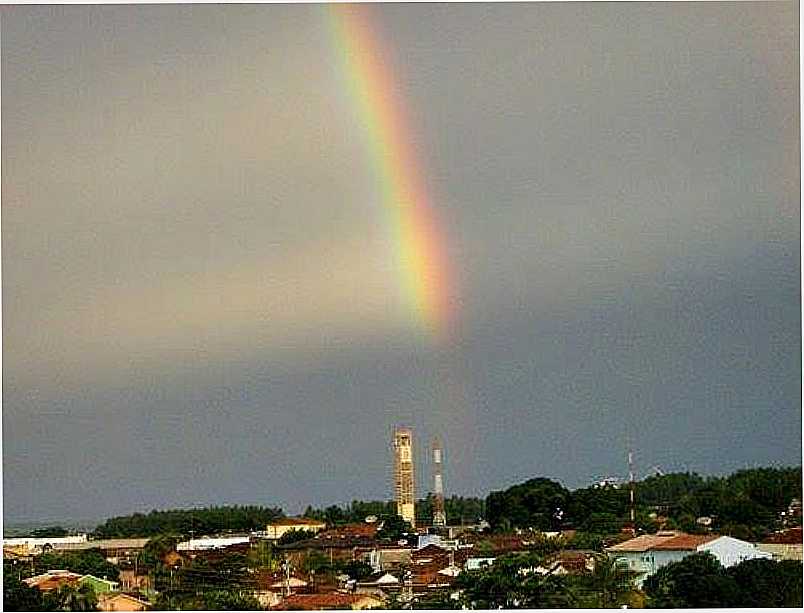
(439, 515)
(631, 487)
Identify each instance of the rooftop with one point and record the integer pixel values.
(296, 521)
(793, 536)
(313, 602)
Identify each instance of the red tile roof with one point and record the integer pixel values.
(642, 543)
(315, 602)
(350, 530)
(665, 541)
(793, 536)
(685, 542)
(52, 580)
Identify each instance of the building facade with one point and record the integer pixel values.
(404, 481)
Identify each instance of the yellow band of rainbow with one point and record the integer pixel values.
(419, 244)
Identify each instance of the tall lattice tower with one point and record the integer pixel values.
(404, 485)
(439, 515)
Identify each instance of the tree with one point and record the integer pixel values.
(357, 569)
(294, 536)
(586, 540)
(86, 562)
(49, 531)
(188, 521)
(229, 600)
(765, 583)
(697, 581)
(538, 503)
(261, 555)
(156, 548)
(394, 528)
(513, 582)
(70, 598)
(17, 596)
(608, 586)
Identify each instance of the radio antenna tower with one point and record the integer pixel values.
(439, 515)
(631, 488)
(404, 487)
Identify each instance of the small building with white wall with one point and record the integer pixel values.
(646, 554)
(280, 527)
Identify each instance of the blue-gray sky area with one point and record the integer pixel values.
(202, 301)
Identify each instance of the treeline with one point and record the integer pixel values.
(189, 521)
(459, 510)
(746, 504)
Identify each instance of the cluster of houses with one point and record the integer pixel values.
(110, 598)
(414, 568)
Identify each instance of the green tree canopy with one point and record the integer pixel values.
(17, 596)
(538, 503)
(189, 521)
(513, 582)
(765, 583)
(84, 562)
(697, 581)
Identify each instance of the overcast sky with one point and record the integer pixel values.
(200, 299)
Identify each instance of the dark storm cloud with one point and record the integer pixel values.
(200, 303)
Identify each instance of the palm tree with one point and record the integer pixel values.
(609, 584)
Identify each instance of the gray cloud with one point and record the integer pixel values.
(199, 284)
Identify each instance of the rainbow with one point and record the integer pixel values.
(420, 246)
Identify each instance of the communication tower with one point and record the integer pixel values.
(631, 487)
(439, 516)
(404, 485)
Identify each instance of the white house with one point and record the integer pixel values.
(731, 551)
(207, 543)
(478, 563)
(32, 543)
(646, 554)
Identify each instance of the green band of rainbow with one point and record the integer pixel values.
(419, 243)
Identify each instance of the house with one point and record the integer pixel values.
(53, 580)
(569, 562)
(336, 549)
(99, 586)
(121, 602)
(267, 598)
(20, 552)
(116, 551)
(356, 531)
(325, 602)
(730, 551)
(645, 554)
(278, 528)
(784, 545)
(289, 585)
(43, 543)
(387, 558)
(210, 543)
(379, 580)
(478, 563)
(428, 554)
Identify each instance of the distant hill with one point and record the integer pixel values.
(24, 528)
